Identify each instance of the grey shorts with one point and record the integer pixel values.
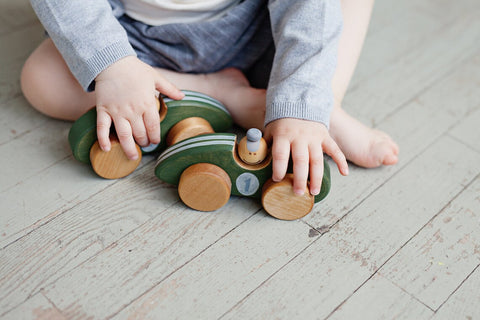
(242, 39)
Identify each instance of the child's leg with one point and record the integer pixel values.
(229, 86)
(361, 145)
(50, 87)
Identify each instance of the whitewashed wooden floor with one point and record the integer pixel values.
(400, 242)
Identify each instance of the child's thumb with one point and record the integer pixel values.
(167, 88)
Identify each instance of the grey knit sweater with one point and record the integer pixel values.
(305, 34)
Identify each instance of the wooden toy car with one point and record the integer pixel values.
(195, 114)
(208, 169)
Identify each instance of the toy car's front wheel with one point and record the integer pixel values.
(279, 201)
(113, 164)
(204, 187)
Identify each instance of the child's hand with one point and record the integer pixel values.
(306, 140)
(125, 94)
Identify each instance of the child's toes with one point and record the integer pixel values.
(390, 159)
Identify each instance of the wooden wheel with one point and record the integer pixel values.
(113, 164)
(204, 187)
(279, 200)
(188, 128)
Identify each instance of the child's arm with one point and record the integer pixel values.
(97, 51)
(299, 95)
(87, 35)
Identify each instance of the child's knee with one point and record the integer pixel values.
(31, 82)
(48, 85)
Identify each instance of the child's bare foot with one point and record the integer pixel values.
(229, 86)
(365, 147)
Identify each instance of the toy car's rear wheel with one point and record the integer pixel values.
(204, 187)
(279, 200)
(113, 164)
(187, 128)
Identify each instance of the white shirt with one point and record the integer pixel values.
(158, 12)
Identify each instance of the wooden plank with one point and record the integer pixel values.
(36, 307)
(10, 80)
(388, 13)
(414, 127)
(226, 272)
(411, 28)
(137, 262)
(463, 304)
(437, 8)
(380, 299)
(69, 238)
(468, 131)
(436, 261)
(15, 15)
(42, 154)
(19, 118)
(38, 199)
(412, 73)
(12, 57)
(34, 152)
(330, 270)
(452, 93)
(20, 43)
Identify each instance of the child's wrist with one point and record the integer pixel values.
(116, 67)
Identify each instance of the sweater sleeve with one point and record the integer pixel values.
(86, 33)
(306, 35)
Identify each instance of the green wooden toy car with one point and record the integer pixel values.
(208, 169)
(196, 113)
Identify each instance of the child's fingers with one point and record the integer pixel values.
(280, 157)
(124, 134)
(316, 168)
(167, 88)
(139, 131)
(301, 159)
(104, 121)
(151, 119)
(332, 149)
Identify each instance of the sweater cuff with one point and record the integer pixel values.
(298, 110)
(87, 71)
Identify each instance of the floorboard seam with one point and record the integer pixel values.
(458, 287)
(403, 245)
(75, 205)
(183, 265)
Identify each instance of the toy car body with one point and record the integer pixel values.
(83, 133)
(238, 178)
